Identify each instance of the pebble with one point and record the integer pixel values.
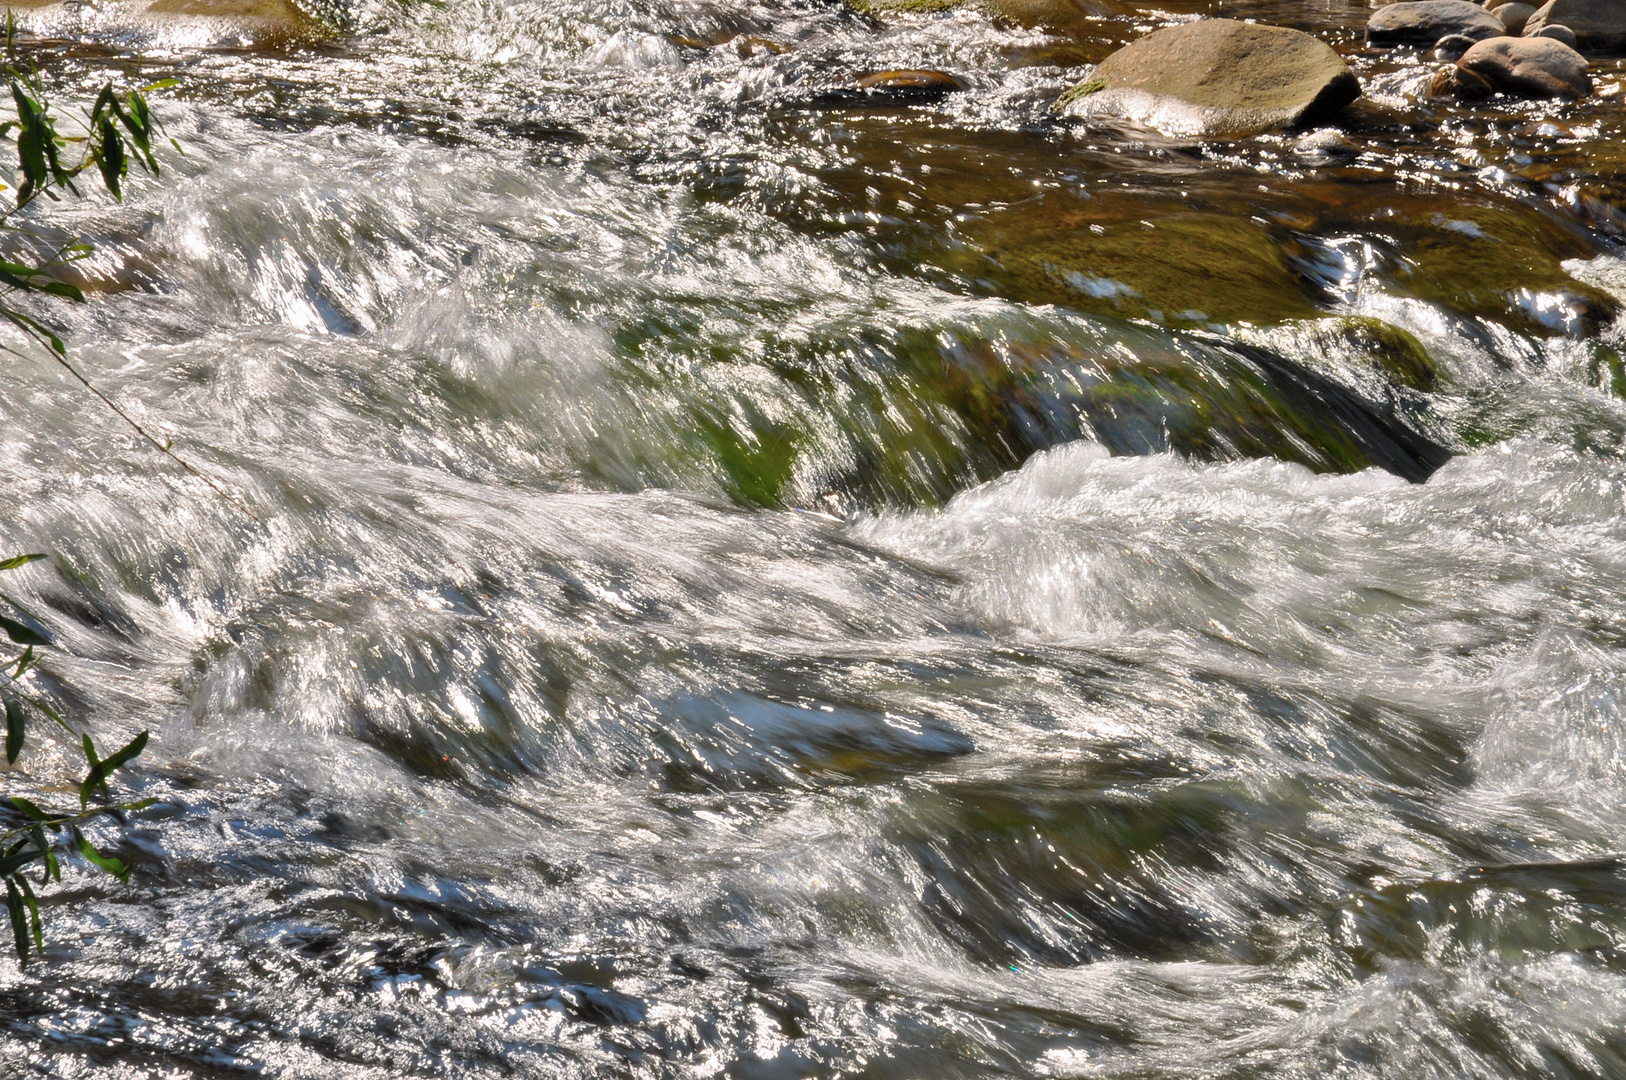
(1328, 142)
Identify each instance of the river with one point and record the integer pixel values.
(753, 579)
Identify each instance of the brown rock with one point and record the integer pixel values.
(1558, 32)
(1529, 67)
(1598, 24)
(909, 79)
(1217, 77)
(1514, 16)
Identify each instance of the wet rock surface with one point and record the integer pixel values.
(1422, 22)
(1218, 76)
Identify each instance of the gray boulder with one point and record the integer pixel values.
(1526, 67)
(1216, 77)
(1598, 24)
(1423, 22)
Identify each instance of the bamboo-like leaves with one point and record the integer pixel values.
(36, 841)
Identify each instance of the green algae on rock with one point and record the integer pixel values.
(1217, 77)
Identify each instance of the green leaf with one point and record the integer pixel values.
(63, 289)
(34, 330)
(19, 921)
(16, 728)
(33, 913)
(28, 807)
(96, 858)
(31, 142)
(21, 633)
(96, 779)
(21, 560)
(110, 158)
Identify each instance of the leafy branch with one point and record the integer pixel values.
(117, 129)
(43, 830)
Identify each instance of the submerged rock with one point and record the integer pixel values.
(1597, 24)
(1423, 22)
(1324, 143)
(1217, 77)
(1528, 67)
(886, 88)
(909, 79)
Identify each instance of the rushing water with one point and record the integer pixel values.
(752, 581)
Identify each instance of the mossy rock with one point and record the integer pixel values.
(1394, 353)
(1186, 268)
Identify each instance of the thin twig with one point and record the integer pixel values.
(162, 448)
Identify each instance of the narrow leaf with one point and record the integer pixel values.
(28, 807)
(96, 779)
(19, 921)
(95, 858)
(16, 728)
(33, 913)
(21, 633)
(20, 560)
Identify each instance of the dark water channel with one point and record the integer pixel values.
(761, 581)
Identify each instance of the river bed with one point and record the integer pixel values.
(749, 579)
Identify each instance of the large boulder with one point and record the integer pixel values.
(1217, 77)
(1597, 24)
(1423, 22)
(172, 23)
(1535, 67)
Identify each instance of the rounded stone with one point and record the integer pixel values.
(1597, 24)
(1326, 143)
(1423, 22)
(1558, 32)
(911, 79)
(1514, 16)
(1529, 67)
(1217, 77)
